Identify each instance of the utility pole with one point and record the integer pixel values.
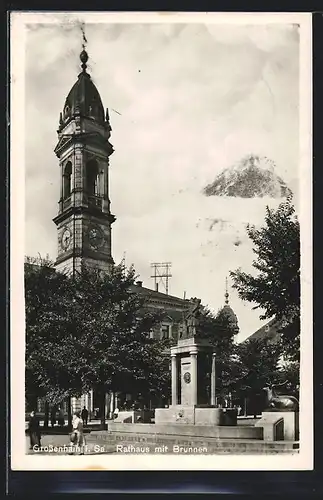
(161, 274)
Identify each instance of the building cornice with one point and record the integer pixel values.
(73, 210)
(82, 139)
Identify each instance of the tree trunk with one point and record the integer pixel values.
(102, 412)
(31, 403)
(46, 416)
(110, 405)
(69, 413)
(34, 403)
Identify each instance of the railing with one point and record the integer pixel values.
(95, 201)
(92, 201)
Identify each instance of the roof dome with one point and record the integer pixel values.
(230, 313)
(227, 310)
(84, 97)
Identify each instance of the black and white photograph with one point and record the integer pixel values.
(161, 240)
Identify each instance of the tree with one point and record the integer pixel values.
(221, 329)
(51, 370)
(89, 331)
(256, 367)
(289, 378)
(113, 329)
(42, 289)
(157, 385)
(258, 361)
(276, 286)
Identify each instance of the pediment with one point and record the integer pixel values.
(62, 143)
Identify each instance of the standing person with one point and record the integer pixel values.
(80, 433)
(77, 436)
(61, 417)
(73, 434)
(34, 430)
(85, 416)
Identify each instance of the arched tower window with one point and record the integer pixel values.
(92, 178)
(67, 177)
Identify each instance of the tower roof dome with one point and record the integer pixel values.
(84, 98)
(230, 313)
(227, 309)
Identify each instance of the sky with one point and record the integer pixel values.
(186, 101)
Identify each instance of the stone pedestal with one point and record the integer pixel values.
(188, 385)
(280, 425)
(133, 416)
(189, 415)
(186, 367)
(195, 415)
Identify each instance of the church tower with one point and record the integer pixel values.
(84, 219)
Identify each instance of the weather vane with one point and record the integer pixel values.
(84, 55)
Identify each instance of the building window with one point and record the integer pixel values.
(165, 331)
(174, 334)
(67, 178)
(92, 178)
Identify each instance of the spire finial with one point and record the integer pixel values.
(84, 55)
(226, 295)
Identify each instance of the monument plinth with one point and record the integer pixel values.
(280, 420)
(193, 375)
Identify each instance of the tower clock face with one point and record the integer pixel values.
(96, 237)
(66, 238)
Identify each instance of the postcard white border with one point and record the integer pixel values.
(21, 461)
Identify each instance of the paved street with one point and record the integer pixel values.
(50, 441)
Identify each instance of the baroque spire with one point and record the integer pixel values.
(84, 55)
(84, 59)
